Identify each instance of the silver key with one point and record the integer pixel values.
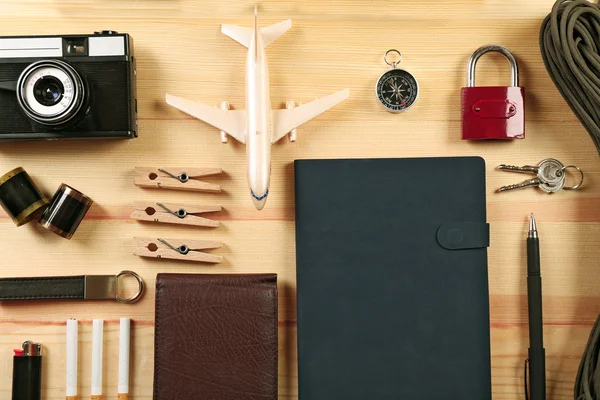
(550, 176)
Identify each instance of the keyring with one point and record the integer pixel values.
(393, 64)
(563, 169)
(140, 287)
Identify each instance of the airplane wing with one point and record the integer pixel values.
(231, 121)
(286, 120)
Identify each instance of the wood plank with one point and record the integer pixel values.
(332, 45)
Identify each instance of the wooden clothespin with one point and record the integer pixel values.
(171, 213)
(177, 178)
(177, 249)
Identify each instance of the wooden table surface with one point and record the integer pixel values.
(332, 45)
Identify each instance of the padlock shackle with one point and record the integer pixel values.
(514, 66)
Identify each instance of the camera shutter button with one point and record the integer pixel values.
(106, 33)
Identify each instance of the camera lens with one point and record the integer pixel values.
(48, 90)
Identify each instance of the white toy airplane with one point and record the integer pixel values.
(258, 126)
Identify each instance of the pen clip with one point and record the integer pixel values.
(525, 379)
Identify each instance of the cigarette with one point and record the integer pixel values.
(97, 339)
(72, 340)
(124, 342)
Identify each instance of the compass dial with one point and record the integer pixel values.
(397, 90)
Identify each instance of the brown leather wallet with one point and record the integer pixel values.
(216, 337)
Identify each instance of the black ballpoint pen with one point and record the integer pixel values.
(537, 354)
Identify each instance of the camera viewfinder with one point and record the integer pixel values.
(75, 46)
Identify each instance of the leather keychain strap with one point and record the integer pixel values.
(83, 287)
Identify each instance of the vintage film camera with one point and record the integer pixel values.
(63, 87)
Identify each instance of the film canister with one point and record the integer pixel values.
(20, 197)
(65, 212)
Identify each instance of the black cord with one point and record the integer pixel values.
(570, 47)
(570, 43)
(587, 384)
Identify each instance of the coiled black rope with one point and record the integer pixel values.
(570, 42)
(587, 384)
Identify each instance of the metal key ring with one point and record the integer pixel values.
(392, 64)
(136, 296)
(563, 169)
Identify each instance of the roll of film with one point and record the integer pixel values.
(20, 197)
(66, 211)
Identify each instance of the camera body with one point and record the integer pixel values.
(67, 87)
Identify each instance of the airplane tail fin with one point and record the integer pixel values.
(240, 34)
(244, 35)
(271, 33)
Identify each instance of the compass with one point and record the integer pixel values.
(397, 89)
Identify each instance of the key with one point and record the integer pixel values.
(550, 176)
(525, 169)
(535, 182)
(550, 169)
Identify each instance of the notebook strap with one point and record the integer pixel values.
(464, 235)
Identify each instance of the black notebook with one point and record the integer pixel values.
(392, 279)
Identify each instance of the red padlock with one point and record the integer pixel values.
(493, 112)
